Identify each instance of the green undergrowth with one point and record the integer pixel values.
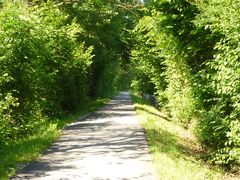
(15, 155)
(175, 151)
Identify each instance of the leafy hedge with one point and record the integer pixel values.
(187, 53)
(44, 70)
(222, 19)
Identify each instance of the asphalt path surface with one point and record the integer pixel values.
(106, 145)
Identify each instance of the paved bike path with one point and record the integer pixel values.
(106, 145)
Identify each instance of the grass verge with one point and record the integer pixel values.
(15, 155)
(175, 151)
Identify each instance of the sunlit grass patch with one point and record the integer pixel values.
(175, 151)
(15, 155)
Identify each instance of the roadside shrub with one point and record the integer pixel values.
(189, 52)
(222, 18)
(44, 69)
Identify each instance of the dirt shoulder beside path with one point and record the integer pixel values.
(108, 144)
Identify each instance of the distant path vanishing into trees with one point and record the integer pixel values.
(108, 144)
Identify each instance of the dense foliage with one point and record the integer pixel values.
(187, 55)
(105, 25)
(44, 70)
(54, 56)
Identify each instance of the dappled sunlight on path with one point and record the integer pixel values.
(108, 144)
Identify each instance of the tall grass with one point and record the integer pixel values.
(175, 151)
